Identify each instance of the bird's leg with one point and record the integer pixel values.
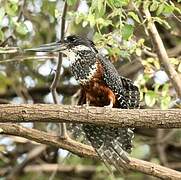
(110, 104)
(87, 101)
(111, 98)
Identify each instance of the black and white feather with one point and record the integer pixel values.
(110, 143)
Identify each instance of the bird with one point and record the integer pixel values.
(101, 86)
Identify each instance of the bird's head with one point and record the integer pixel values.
(70, 46)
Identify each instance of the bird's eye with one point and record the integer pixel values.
(72, 38)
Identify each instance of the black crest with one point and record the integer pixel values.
(75, 40)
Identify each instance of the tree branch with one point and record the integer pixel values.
(85, 150)
(34, 153)
(57, 74)
(19, 59)
(67, 90)
(135, 118)
(162, 54)
(80, 169)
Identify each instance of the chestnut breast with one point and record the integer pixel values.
(97, 92)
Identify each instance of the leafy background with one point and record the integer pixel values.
(120, 32)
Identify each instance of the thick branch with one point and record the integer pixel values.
(47, 138)
(140, 118)
(85, 150)
(162, 54)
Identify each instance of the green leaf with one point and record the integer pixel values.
(79, 18)
(146, 4)
(91, 20)
(57, 13)
(2, 13)
(174, 61)
(84, 23)
(141, 151)
(138, 51)
(71, 2)
(1, 130)
(103, 22)
(124, 54)
(160, 9)
(179, 68)
(162, 22)
(150, 98)
(99, 5)
(49, 8)
(165, 89)
(156, 87)
(21, 28)
(154, 6)
(168, 9)
(1, 36)
(13, 1)
(177, 9)
(99, 8)
(119, 3)
(165, 101)
(11, 9)
(127, 31)
(134, 16)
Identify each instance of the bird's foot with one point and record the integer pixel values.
(109, 106)
(86, 106)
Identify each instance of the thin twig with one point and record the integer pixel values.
(168, 136)
(9, 50)
(19, 59)
(161, 147)
(30, 157)
(2, 44)
(67, 90)
(54, 84)
(23, 3)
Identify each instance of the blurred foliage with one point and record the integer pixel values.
(119, 31)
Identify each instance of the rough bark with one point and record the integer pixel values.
(136, 118)
(162, 54)
(85, 150)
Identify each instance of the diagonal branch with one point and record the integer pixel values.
(34, 153)
(85, 150)
(162, 54)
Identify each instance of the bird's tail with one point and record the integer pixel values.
(111, 144)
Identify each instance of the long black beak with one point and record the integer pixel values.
(51, 47)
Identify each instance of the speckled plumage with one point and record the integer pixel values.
(99, 79)
(101, 86)
(82, 68)
(126, 92)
